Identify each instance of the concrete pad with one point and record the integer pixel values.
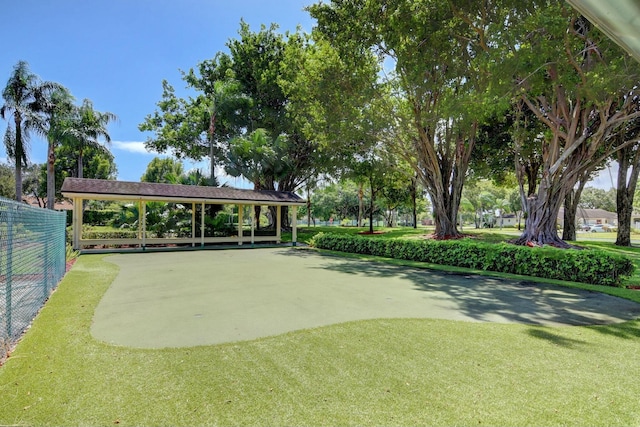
(180, 299)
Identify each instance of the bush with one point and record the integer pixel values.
(587, 266)
(122, 234)
(70, 253)
(98, 217)
(222, 224)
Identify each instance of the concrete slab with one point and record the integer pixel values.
(181, 299)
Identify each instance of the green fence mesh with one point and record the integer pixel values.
(32, 262)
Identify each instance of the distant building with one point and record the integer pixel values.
(60, 205)
(591, 217)
(509, 220)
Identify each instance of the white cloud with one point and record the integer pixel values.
(132, 147)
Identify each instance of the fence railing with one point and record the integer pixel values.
(32, 262)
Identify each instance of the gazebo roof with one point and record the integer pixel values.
(124, 190)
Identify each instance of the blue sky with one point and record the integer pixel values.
(117, 52)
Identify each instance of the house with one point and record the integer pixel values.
(591, 217)
(59, 205)
(508, 220)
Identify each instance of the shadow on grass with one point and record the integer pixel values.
(628, 330)
(489, 299)
(555, 338)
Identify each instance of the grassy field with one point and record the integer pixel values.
(375, 372)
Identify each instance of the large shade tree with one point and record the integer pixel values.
(260, 62)
(439, 52)
(627, 180)
(25, 97)
(260, 158)
(163, 170)
(582, 87)
(195, 128)
(238, 93)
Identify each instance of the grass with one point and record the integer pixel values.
(374, 372)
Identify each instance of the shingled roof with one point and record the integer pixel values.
(124, 190)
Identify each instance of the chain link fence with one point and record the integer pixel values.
(32, 262)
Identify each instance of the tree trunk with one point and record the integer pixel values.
(80, 165)
(625, 209)
(257, 209)
(18, 175)
(540, 225)
(414, 196)
(360, 204)
(415, 214)
(626, 189)
(373, 198)
(19, 154)
(212, 131)
(569, 216)
(445, 220)
(286, 224)
(51, 176)
(571, 201)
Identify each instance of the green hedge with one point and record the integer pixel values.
(122, 234)
(587, 266)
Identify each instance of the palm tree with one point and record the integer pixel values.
(25, 98)
(87, 128)
(59, 113)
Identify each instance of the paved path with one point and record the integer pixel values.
(177, 299)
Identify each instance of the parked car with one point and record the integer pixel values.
(598, 228)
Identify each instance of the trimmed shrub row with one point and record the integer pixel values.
(587, 266)
(123, 234)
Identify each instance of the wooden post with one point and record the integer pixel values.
(202, 226)
(294, 225)
(278, 223)
(253, 223)
(240, 220)
(193, 224)
(77, 223)
(143, 213)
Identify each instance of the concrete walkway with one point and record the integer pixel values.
(179, 299)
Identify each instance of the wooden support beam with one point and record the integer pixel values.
(202, 226)
(294, 225)
(278, 223)
(240, 221)
(193, 224)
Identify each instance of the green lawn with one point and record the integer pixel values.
(375, 372)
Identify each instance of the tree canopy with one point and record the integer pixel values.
(455, 91)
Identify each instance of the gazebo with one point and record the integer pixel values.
(81, 189)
